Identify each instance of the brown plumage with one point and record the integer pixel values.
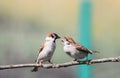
(46, 50)
(75, 50)
(78, 46)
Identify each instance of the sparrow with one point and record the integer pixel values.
(46, 50)
(74, 50)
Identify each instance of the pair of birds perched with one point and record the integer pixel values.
(47, 49)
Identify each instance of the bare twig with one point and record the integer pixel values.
(67, 64)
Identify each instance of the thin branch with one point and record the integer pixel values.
(67, 64)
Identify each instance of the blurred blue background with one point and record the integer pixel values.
(24, 24)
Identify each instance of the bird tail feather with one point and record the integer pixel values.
(94, 51)
(35, 69)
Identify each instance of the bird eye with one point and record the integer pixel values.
(52, 36)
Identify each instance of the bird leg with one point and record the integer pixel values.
(39, 63)
(88, 61)
(50, 62)
(75, 60)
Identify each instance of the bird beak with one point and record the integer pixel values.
(58, 37)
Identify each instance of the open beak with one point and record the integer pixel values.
(58, 37)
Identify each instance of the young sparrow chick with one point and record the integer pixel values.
(75, 50)
(47, 49)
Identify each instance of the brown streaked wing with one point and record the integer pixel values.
(41, 48)
(82, 48)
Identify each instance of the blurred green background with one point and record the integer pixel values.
(24, 24)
